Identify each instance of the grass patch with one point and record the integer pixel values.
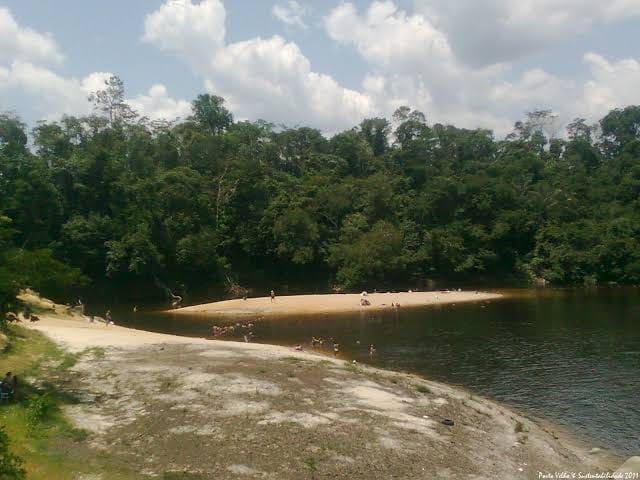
(37, 429)
(182, 476)
(519, 428)
(69, 360)
(96, 352)
(292, 360)
(423, 389)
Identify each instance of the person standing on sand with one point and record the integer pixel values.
(273, 296)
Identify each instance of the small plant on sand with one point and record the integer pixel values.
(311, 463)
(10, 465)
(68, 361)
(98, 352)
(423, 389)
(352, 367)
(520, 428)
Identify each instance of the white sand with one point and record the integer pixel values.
(332, 303)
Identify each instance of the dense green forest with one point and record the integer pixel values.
(210, 202)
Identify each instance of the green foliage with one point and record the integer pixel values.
(38, 411)
(197, 203)
(10, 465)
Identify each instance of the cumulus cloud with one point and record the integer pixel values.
(158, 105)
(612, 84)
(420, 58)
(25, 60)
(291, 13)
(259, 77)
(414, 64)
(493, 31)
(388, 37)
(24, 44)
(53, 93)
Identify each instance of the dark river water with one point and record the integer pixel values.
(571, 356)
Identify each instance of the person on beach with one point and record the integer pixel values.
(372, 350)
(107, 318)
(273, 296)
(336, 349)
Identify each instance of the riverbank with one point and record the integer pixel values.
(260, 411)
(332, 303)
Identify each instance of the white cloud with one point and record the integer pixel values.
(53, 94)
(388, 37)
(191, 30)
(291, 13)
(414, 65)
(493, 31)
(260, 78)
(24, 58)
(158, 105)
(24, 44)
(612, 84)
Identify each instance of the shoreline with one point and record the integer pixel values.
(320, 304)
(77, 335)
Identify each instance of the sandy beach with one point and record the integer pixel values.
(241, 410)
(332, 303)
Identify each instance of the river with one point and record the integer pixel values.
(570, 356)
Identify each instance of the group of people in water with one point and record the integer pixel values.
(245, 330)
(331, 343)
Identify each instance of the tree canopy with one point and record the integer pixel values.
(112, 197)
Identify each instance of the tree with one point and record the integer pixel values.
(13, 137)
(375, 132)
(579, 130)
(111, 101)
(412, 124)
(210, 113)
(620, 128)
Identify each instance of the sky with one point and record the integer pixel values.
(326, 64)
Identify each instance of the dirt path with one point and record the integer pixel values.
(331, 303)
(201, 409)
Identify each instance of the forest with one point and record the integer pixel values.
(209, 203)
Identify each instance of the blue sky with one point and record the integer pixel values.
(474, 63)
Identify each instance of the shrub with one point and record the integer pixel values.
(38, 410)
(10, 465)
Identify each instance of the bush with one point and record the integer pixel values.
(38, 410)
(10, 465)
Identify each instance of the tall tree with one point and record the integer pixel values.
(111, 101)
